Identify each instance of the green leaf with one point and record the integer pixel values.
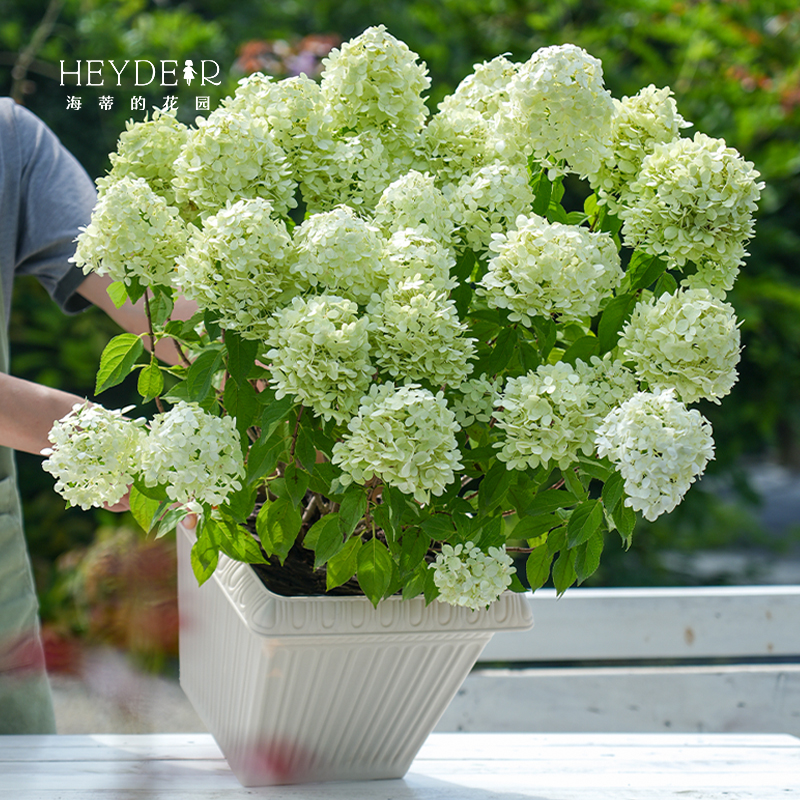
(583, 522)
(587, 557)
(599, 468)
(542, 190)
(201, 373)
(296, 483)
(494, 486)
(643, 270)
(414, 546)
(583, 349)
(415, 585)
(545, 335)
(533, 527)
(118, 293)
(548, 501)
(241, 504)
(240, 402)
(241, 356)
(573, 483)
(305, 450)
(143, 508)
(439, 527)
(274, 414)
(161, 305)
(329, 539)
(537, 567)
(263, 457)
(625, 519)
(374, 570)
(564, 574)
(235, 541)
(151, 381)
(170, 520)
(666, 283)
(614, 317)
(117, 360)
(277, 525)
(343, 565)
(612, 491)
(312, 534)
(211, 323)
(204, 558)
(351, 509)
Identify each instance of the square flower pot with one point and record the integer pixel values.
(302, 689)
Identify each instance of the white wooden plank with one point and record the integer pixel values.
(621, 624)
(645, 699)
(515, 767)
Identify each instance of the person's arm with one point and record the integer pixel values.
(133, 318)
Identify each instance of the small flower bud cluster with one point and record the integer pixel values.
(465, 576)
(406, 436)
(659, 447)
(688, 341)
(94, 456)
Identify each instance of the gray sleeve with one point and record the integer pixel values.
(57, 197)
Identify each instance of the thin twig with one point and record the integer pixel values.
(159, 404)
(26, 57)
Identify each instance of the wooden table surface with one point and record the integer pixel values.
(450, 766)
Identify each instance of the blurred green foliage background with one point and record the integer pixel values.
(734, 67)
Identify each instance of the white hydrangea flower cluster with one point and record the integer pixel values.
(609, 382)
(413, 201)
(409, 254)
(475, 399)
(236, 265)
(94, 456)
(688, 341)
(659, 447)
(717, 276)
(558, 109)
(148, 150)
(416, 335)
(194, 454)
(488, 201)
(375, 81)
(232, 156)
(485, 90)
(455, 143)
(541, 269)
(340, 252)
(692, 201)
(320, 355)
(465, 576)
(639, 123)
(406, 436)
(550, 415)
(133, 234)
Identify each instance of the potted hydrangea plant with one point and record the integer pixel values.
(412, 348)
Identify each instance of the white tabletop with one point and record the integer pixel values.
(450, 766)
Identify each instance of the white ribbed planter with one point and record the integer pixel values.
(307, 689)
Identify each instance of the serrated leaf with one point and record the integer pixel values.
(327, 539)
(494, 486)
(211, 324)
(666, 283)
(415, 585)
(564, 574)
(117, 360)
(151, 381)
(118, 293)
(595, 467)
(587, 557)
(241, 356)
(583, 522)
(241, 503)
(583, 349)
(204, 557)
(235, 541)
(548, 501)
(612, 491)
(537, 568)
(201, 373)
(343, 565)
(613, 319)
(351, 509)
(439, 527)
(414, 546)
(263, 458)
(296, 481)
(573, 483)
(277, 525)
(143, 508)
(625, 519)
(240, 402)
(274, 414)
(161, 305)
(374, 570)
(643, 270)
(533, 527)
(542, 190)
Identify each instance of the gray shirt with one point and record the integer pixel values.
(45, 196)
